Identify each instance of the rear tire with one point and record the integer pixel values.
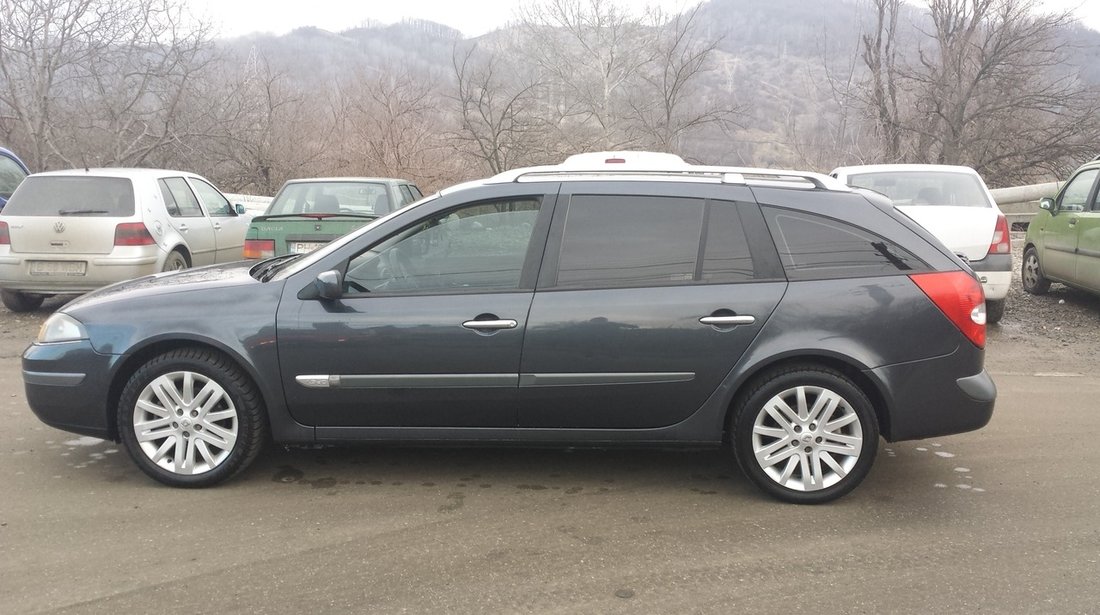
(191, 418)
(176, 261)
(805, 434)
(20, 302)
(994, 310)
(1031, 274)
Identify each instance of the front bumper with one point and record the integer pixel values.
(67, 386)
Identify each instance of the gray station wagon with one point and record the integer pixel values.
(617, 299)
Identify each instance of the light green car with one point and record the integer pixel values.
(308, 213)
(1063, 241)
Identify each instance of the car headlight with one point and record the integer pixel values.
(61, 328)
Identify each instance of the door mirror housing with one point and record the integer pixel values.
(1046, 203)
(328, 285)
(240, 209)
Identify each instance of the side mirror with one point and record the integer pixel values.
(329, 285)
(240, 209)
(1046, 203)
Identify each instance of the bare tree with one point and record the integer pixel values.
(96, 80)
(880, 55)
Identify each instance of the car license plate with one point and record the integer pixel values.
(303, 247)
(58, 267)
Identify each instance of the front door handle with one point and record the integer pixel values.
(490, 325)
(727, 321)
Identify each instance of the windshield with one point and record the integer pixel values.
(72, 195)
(312, 257)
(335, 197)
(10, 176)
(925, 187)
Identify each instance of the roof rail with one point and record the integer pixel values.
(726, 175)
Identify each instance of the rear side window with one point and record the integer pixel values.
(80, 195)
(187, 206)
(815, 247)
(623, 241)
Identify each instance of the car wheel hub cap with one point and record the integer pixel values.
(185, 423)
(807, 438)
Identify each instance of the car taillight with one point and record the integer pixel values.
(959, 296)
(5, 238)
(259, 248)
(1002, 241)
(133, 234)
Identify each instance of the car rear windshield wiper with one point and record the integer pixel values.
(81, 212)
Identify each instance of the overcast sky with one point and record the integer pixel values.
(471, 17)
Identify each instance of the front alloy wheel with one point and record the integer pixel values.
(806, 435)
(191, 418)
(1031, 274)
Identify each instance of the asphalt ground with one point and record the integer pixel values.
(1001, 520)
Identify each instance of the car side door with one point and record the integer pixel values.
(1087, 271)
(229, 226)
(428, 330)
(648, 296)
(1059, 234)
(188, 219)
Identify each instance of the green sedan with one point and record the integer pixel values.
(1063, 241)
(308, 213)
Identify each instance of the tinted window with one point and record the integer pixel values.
(726, 256)
(475, 247)
(10, 176)
(612, 241)
(925, 187)
(361, 198)
(816, 247)
(216, 204)
(79, 195)
(1076, 195)
(187, 206)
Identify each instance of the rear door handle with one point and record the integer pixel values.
(217, 226)
(490, 325)
(727, 321)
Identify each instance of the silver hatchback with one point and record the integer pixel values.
(69, 232)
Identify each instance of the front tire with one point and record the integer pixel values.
(1031, 274)
(805, 434)
(191, 418)
(20, 302)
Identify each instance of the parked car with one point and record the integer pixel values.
(12, 172)
(1063, 240)
(308, 213)
(68, 232)
(617, 299)
(953, 203)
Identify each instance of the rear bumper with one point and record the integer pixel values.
(928, 398)
(995, 273)
(67, 385)
(101, 270)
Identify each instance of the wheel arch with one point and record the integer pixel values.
(146, 352)
(182, 249)
(849, 368)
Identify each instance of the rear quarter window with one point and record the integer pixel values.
(813, 247)
(107, 197)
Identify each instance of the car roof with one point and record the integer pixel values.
(886, 168)
(654, 166)
(116, 172)
(374, 180)
(10, 154)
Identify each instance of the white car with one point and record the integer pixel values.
(69, 232)
(952, 203)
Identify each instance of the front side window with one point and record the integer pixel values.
(216, 204)
(1076, 195)
(186, 205)
(815, 247)
(475, 247)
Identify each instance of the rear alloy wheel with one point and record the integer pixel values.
(20, 302)
(806, 435)
(1031, 274)
(994, 310)
(175, 262)
(191, 418)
